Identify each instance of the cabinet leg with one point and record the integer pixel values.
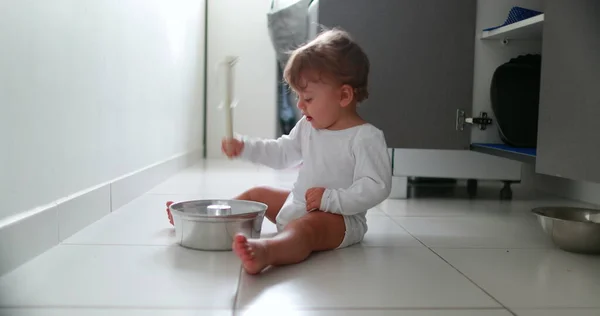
(506, 192)
(399, 188)
(472, 188)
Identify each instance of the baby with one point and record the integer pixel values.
(344, 170)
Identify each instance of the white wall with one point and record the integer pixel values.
(239, 27)
(92, 90)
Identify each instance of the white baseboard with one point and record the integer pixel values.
(27, 238)
(33, 232)
(127, 188)
(78, 212)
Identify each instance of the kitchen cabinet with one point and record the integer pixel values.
(432, 64)
(568, 131)
(421, 55)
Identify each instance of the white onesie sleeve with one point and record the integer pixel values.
(283, 152)
(372, 180)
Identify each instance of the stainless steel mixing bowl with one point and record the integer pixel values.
(212, 224)
(571, 228)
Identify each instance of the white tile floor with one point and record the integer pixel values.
(421, 257)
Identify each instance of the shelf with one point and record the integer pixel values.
(530, 29)
(526, 155)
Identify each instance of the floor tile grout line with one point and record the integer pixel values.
(116, 307)
(461, 216)
(473, 282)
(174, 194)
(110, 198)
(460, 272)
(420, 246)
(474, 247)
(335, 308)
(234, 308)
(118, 245)
(405, 308)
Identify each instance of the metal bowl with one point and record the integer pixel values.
(571, 228)
(212, 224)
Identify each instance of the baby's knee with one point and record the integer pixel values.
(325, 230)
(258, 193)
(307, 229)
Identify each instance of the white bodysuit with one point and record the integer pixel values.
(353, 165)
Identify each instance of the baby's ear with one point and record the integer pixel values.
(346, 95)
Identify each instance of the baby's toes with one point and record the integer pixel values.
(240, 239)
(248, 252)
(239, 247)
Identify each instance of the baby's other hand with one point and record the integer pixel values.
(232, 147)
(313, 198)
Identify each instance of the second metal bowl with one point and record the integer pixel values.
(571, 228)
(212, 224)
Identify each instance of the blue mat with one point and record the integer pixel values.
(523, 151)
(516, 14)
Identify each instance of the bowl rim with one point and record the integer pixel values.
(538, 212)
(224, 218)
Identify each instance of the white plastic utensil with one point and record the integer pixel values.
(228, 102)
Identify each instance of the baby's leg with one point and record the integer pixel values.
(272, 197)
(316, 231)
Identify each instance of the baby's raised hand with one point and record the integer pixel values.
(313, 198)
(232, 147)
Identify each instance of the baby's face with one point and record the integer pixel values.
(320, 103)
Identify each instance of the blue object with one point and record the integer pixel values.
(516, 14)
(524, 151)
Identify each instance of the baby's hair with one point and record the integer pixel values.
(332, 55)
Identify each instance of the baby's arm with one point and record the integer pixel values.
(281, 153)
(372, 181)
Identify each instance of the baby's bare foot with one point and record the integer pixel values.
(253, 253)
(169, 215)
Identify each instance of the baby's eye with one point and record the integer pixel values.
(308, 100)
